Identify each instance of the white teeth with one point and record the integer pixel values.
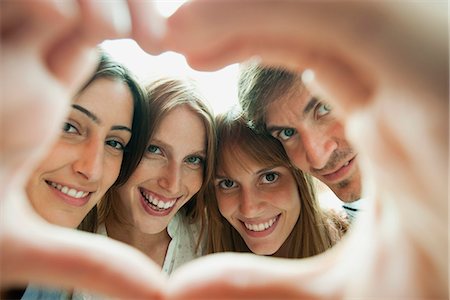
(65, 190)
(161, 205)
(68, 191)
(261, 226)
(346, 164)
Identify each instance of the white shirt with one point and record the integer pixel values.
(181, 249)
(183, 242)
(355, 208)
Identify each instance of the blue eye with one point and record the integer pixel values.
(115, 144)
(285, 134)
(69, 128)
(154, 149)
(195, 160)
(270, 177)
(227, 184)
(322, 109)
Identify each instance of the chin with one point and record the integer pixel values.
(259, 251)
(348, 193)
(65, 223)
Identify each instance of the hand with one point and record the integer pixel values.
(384, 65)
(48, 51)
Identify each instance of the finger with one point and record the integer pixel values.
(343, 42)
(104, 20)
(15, 13)
(61, 50)
(244, 276)
(71, 56)
(297, 35)
(72, 259)
(71, 61)
(148, 26)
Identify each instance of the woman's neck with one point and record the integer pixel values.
(153, 245)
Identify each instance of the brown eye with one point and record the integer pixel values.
(227, 184)
(270, 177)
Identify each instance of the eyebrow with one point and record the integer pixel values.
(167, 146)
(268, 169)
(220, 176)
(310, 105)
(96, 120)
(273, 129)
(120, 127)
(89, 114)
(312, 102)
(259, 172)
(199, 153)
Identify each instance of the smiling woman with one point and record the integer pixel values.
(260, 202)
(159, 209)
(105, 119)
(97, 148)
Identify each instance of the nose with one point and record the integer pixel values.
(249, 203)
(89, 164)
(170, 178)
(318, 148)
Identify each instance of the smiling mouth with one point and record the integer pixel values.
(71, 192)
(156, 203)
(261, 226)
(339, 172)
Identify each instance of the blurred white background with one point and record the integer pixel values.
(219, 88)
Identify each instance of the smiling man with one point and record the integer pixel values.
(277, 101)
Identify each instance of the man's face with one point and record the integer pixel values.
(315, 141)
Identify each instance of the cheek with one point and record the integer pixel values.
(287, 196)
(111, 170)
(294, 204)
(194, 182)
(296, 154)
(227, 205)
(55, 160)
(60, 156)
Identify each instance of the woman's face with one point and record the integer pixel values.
(261, 202)
(85, 160)
(170, 173)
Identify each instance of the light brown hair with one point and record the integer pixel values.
(311, 234)
(163, 96)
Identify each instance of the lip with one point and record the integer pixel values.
(340, 173)
(261, 234)
(150, 209)
(78, 202)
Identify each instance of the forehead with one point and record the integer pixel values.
(182, 126)
(235, 162)
(288, 108)
(107, 99)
